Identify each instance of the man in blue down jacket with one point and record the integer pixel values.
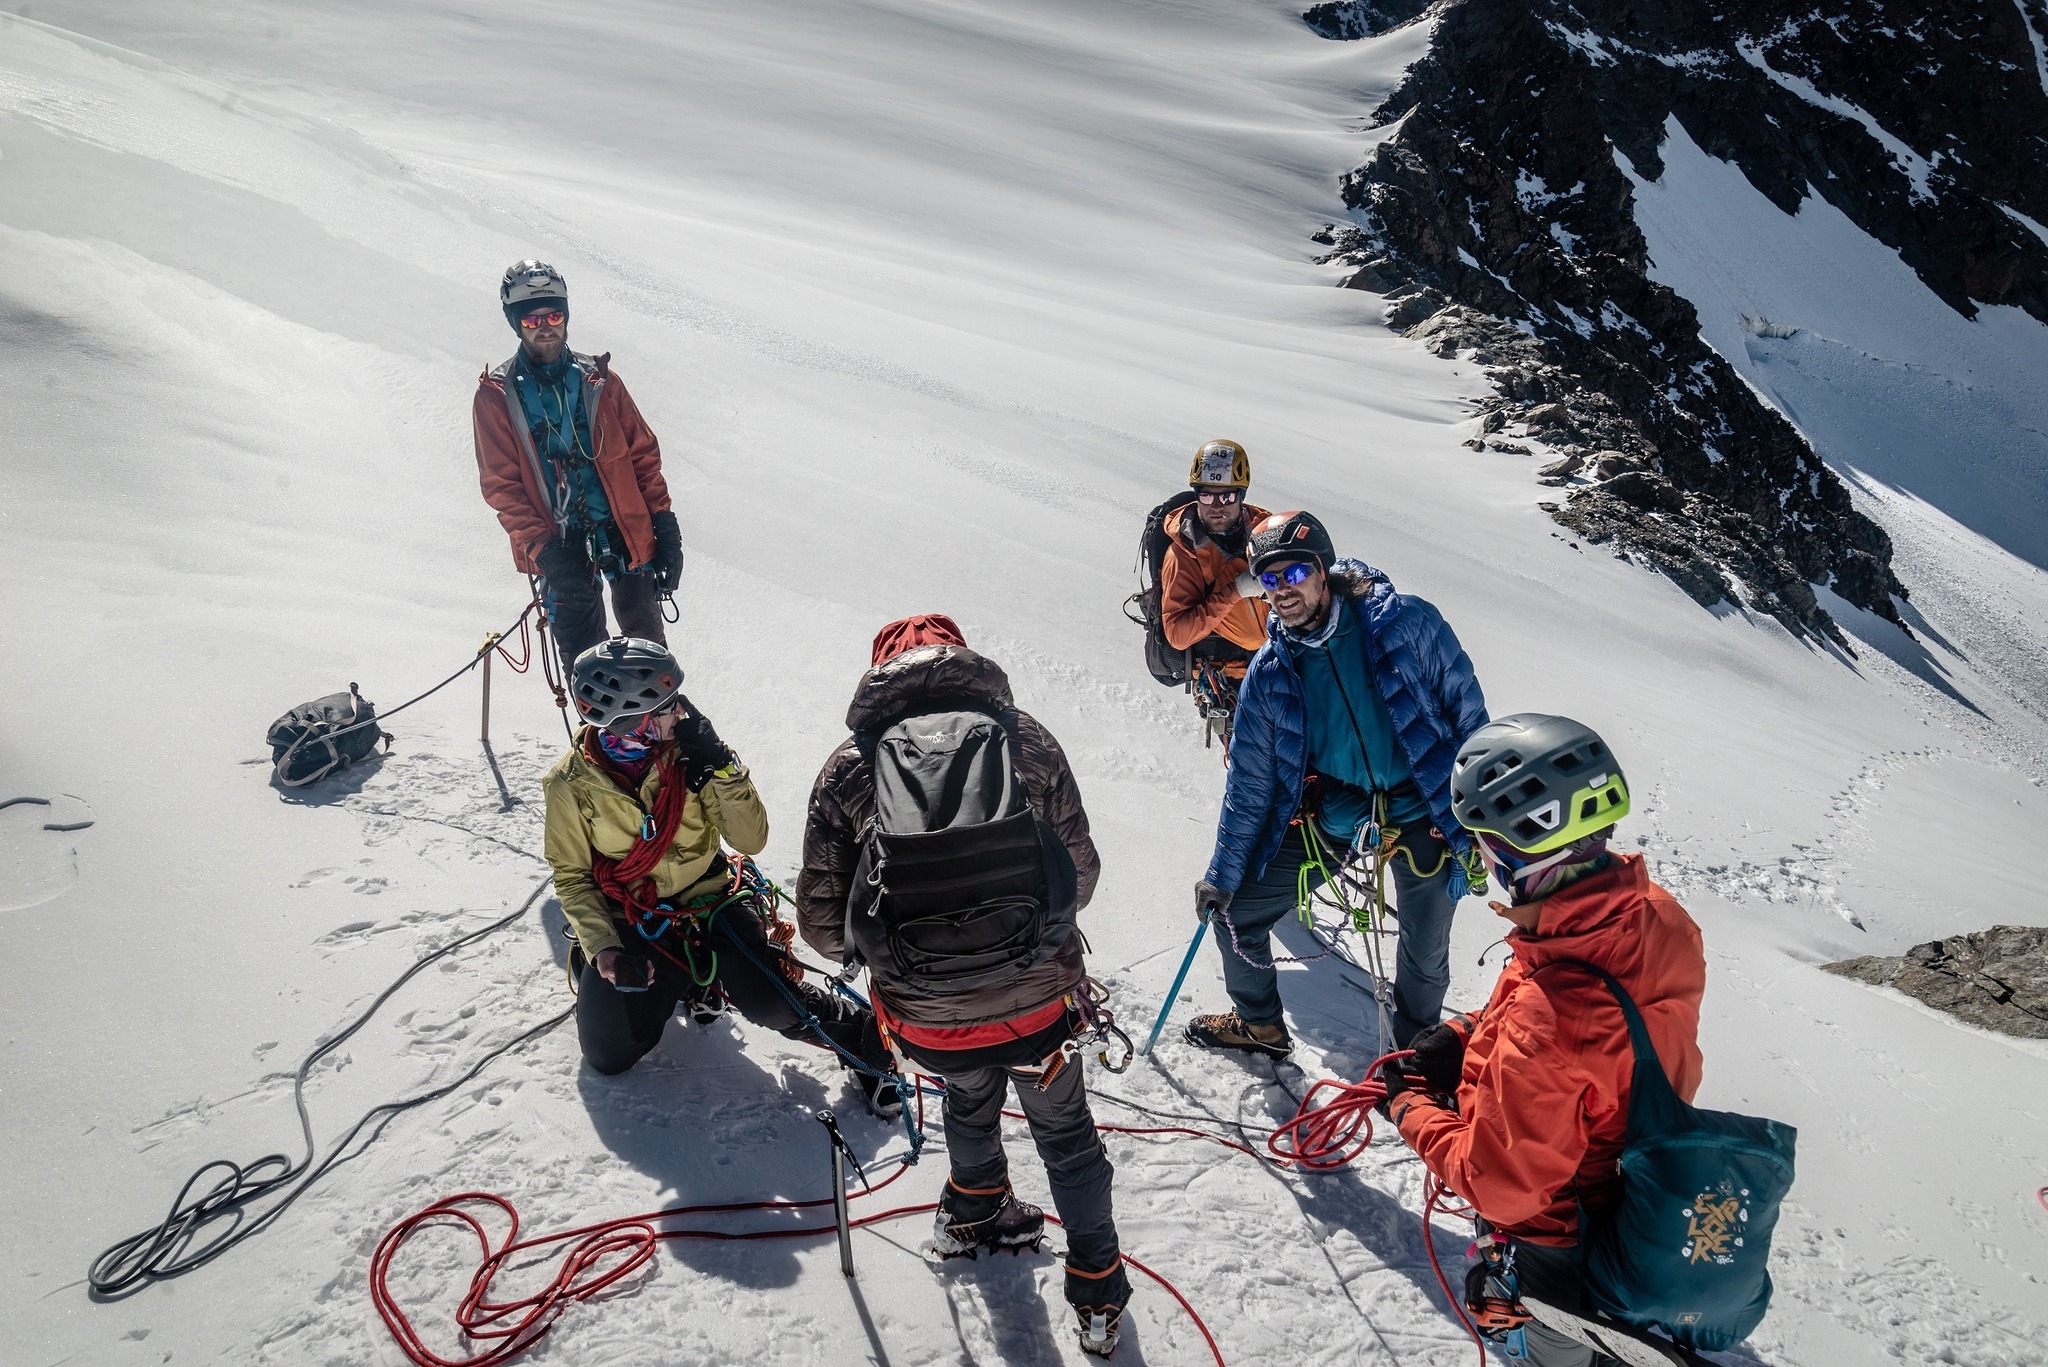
(1367, 691)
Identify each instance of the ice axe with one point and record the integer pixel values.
(1173, 993)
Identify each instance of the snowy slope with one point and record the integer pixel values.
(928, 302)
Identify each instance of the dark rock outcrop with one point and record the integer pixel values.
(1996, 978)
(1500, 224)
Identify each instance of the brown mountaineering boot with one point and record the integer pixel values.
(1229, 1031)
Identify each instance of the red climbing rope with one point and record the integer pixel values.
(2042, 1197)
(602, 1254)
(1331, 1135)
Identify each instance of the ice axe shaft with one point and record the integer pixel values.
(831, 1125)
(1173, 993)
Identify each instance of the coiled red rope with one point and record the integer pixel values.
(1332, 1135)
(608, 1251)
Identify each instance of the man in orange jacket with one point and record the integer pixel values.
(573, 473)
(1208, 603)
(1522, 1108)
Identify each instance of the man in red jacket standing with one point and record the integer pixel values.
(573, 473)
(1522, 1108)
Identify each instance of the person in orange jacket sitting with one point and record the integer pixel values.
(574, 473)
(1208, 602)
(1521, 1108)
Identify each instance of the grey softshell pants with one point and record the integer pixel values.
(1062, 1127)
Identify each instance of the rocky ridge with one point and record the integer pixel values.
(1996, 978)
(1500, 223)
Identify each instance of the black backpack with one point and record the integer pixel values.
(1168, 665)
(960, 884)
(314, 739)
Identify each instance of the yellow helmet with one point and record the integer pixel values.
(1222, 463)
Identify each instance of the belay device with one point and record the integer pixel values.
(316, 738)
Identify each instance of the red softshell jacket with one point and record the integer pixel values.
(1543, 1100)
(628, 462)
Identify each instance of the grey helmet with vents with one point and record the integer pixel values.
(530, 283)
(624, 677)
(1537, 782)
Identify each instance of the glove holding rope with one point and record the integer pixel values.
(1440, 1055)
(668, 553)
(704, 754)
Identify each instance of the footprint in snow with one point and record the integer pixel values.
(39, 840)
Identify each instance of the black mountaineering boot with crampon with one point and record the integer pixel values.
(991, 1218)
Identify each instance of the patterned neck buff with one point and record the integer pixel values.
(624, 749)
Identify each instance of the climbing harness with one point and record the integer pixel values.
(223, 1190)
(1492, 1296)
(1094, 1025)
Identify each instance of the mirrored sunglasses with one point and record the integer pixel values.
(553, 318)
(1219, 497)
(1295, 573)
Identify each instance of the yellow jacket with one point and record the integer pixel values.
(588, 810)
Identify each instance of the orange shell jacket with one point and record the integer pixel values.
(628, 462)
(1543, 1102)
(1198, 594)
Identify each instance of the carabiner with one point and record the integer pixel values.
(647, 825)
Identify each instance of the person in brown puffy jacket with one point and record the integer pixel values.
(985, 1041)
(574, 473)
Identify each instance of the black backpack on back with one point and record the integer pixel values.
(960, 884)
(1168, 665)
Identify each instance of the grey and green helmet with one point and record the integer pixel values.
(624, 677)
(1537, 782)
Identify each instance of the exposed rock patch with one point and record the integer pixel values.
(1502, 227)
(1996, 978)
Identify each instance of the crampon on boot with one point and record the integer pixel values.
(880, 1095)
(1229, 1031)
(707, 1004)
(970, 1221)
(1099, 1299)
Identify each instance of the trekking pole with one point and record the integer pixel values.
(1173, 993)
(831, 1125)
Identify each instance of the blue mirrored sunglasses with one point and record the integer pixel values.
(1293, 574)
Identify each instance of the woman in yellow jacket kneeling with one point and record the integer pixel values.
(640, 813)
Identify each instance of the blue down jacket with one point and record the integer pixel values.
(1424, 677)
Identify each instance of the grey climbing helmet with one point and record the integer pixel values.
(1537, 782)
(530, 283)
(624, 677)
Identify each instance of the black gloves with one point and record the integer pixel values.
(1439, 1058)
(1209, 900)
(561, 563)
(703, 752)
(668, 553)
